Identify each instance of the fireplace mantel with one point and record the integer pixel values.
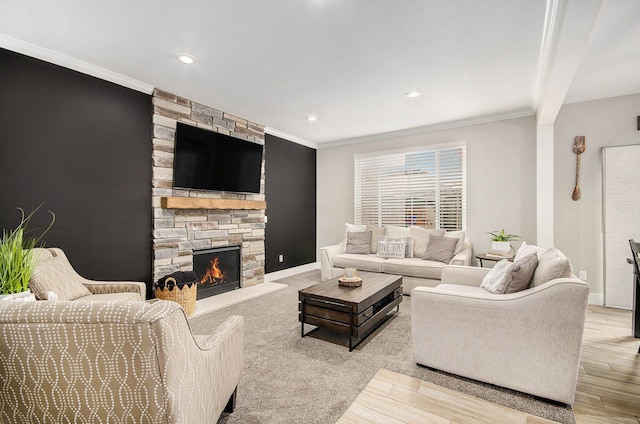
(202, 203)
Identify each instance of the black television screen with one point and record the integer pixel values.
(207, 160)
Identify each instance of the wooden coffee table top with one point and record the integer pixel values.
(372, 283)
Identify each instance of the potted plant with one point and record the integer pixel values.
(501, 241)
(17, 262)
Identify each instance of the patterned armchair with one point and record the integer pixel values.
(133, 362)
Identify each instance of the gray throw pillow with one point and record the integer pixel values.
(377, 233)
(519, 274)
(358, 242)
(440, 249)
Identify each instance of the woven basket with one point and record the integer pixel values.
(185, 295)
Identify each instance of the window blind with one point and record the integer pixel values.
(425, 187)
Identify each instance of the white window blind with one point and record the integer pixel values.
(425, 187)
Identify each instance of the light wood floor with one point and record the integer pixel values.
(608, 386)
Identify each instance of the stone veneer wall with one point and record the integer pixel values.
(177, 232)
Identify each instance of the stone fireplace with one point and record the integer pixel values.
(188, 220)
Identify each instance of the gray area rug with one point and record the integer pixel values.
(289, 379)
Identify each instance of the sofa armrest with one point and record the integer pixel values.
(327, 271)
(106, 287)
(463, 257)
(463, 275)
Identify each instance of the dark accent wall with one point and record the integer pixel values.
(290, 192)
(82, 146)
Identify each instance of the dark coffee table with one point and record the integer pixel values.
(354, 311)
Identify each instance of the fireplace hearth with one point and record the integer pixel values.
(217, 270)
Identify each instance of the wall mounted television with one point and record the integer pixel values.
(206, 160)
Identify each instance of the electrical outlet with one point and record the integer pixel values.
(583, 275)
(280, 258)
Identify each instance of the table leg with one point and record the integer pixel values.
(302, 320)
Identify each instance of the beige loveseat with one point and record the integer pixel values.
(416, 271)
(115, 362)
(528, 341)
(54, 273)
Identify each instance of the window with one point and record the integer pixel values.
(424, 187)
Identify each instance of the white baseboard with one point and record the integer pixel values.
(272, 276)
(596, 299)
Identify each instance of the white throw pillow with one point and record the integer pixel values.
(527, 249)
(391, 249)
(392, 231)
(460, 236)
(551, 265)
(494, 279)
(408, 241)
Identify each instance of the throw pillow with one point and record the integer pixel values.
(408, 241)
(459, 235)
(391, 249)
(552, 264)
(440, 249)
(495, 277)
(358, 242)
(55, 275)
(352, 228)
(519, 274)
(526, 249)
(376, 235)
(421, 239)
(392, 231)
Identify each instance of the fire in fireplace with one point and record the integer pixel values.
(217, 270)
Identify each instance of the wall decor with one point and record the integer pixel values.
(579, 145)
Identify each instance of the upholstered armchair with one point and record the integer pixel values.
(528, 341)
(54, 273)
(134, 362)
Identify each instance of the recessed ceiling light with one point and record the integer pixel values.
(186, 59)
(412, 94)
(312, 118)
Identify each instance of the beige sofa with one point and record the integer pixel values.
(528, 341)
(54, 273)
(134, 362)
(415, 271)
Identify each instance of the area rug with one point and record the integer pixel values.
(289, 379)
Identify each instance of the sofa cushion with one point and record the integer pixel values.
(358, 242)
(440, 249)
(519, 274)
(421, 238)
(376, 235)
(462, 288)
(552, 264)
(56, 275)
(392, 248)
(493, 281)
(414, 267)
(362, 262)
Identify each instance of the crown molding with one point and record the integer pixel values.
(69, 62)
(430, 128)
(290, 137)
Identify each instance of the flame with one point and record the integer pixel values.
(214, 274)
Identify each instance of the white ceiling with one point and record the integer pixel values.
(349, 62)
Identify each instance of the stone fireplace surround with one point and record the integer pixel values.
(177, 231)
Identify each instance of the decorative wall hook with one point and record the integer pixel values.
(579, 145)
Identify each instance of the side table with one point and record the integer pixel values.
(484, 257)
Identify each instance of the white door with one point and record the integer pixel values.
(621, 209)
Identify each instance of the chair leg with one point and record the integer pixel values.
(231, 405)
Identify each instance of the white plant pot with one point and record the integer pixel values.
(25, 296)
(501, 246)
